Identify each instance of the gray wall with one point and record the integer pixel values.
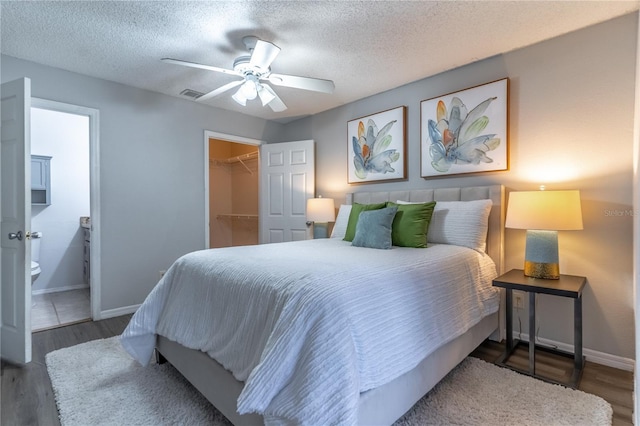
(151, 172)
(571, 124)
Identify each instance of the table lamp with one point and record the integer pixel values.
(320, 211)
(543, 214)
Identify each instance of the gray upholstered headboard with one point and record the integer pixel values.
(495, 236)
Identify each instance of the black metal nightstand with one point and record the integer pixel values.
(567, 286)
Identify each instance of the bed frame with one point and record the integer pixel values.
(385, 404)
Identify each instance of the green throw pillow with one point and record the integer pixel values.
(356, 209)
(411, 224)
(374, 228)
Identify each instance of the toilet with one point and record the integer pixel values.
(35, 255)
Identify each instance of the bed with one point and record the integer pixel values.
(301, 354)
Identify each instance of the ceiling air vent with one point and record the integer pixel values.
(193, 94)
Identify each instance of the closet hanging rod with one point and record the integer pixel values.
(237, 216)
(239, 158)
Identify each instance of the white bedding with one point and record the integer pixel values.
(309, 325)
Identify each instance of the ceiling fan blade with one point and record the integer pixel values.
(219, 90)
(263, 54)
(196, 65)
(306, 83)
(269, 97)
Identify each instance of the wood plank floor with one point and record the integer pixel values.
(27, 397)
(613, 385)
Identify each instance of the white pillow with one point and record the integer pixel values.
(340, 227)
(461, 223)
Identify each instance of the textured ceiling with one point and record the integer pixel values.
(364, 47)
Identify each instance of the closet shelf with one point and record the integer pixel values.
(240, 158)
(237, 216)
(237, 159)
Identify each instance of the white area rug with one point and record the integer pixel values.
(97, 383)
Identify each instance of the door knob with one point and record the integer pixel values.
(15, 235)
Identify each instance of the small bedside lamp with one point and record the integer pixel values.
(320, 211)
(543, 214)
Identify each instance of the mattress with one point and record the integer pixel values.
(312, 324)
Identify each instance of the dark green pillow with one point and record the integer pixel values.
(374, 228)
(356, 209)
(411, 224)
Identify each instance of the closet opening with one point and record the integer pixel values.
(233, 193)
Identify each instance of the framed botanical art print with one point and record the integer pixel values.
(465, 131)
(376, 146)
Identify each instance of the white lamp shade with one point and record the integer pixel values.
(265, 94)
(321, 210)
(249, 89)
(544, 210)
(239, 97)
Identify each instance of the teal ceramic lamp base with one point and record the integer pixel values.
(320, 230)
(541, 255)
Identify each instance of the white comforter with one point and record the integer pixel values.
(310, 325)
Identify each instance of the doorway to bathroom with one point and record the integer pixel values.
(61, 213)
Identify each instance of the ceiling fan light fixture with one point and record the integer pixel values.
(254, 68)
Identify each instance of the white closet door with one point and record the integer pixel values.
(287, 180)
(15, 179)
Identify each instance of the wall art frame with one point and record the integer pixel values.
(377, 147)
(465, 131)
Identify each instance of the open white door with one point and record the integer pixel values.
(287, 180)
(15, 207)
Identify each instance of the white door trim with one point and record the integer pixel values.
(209, 134)
(94, 184)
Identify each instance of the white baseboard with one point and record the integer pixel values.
(597, 357)
(59, 289)
(125, 310)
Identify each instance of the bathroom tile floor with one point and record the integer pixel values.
(51, 310)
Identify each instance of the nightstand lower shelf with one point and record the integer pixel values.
(570, 286)
(575, 376)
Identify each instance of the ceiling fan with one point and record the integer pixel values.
(255, 71)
